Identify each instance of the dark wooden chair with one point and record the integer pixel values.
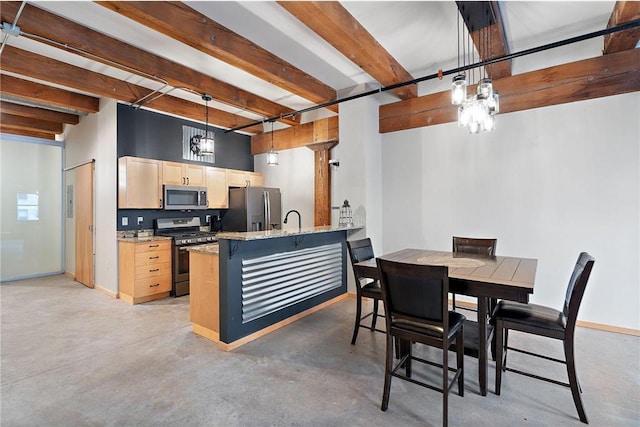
(485, 248)
(469, 245)
(416, 305)
(362, 250)
(546, 322)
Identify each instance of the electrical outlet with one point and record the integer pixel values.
(140, 219)
(125, 221)
(208, 219)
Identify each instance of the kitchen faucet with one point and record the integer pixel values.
(299, 219)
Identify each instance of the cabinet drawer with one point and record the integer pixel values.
(161, 245)
(152, 285)
(153, 257)
(153, 270)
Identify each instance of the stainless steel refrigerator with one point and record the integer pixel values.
(253, 209)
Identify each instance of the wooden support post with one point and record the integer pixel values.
(322, 182)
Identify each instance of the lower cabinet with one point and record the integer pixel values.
(144, 270)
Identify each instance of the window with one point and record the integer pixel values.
(28, 207)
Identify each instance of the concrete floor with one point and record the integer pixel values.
(71, 356)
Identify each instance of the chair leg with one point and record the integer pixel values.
(500, 344)
(405, 348)
(573, 379)
(375, 314)
(387, 373)
(445, 384)
(506, 349)
(356, 327)
(453, 302)
(460, 361)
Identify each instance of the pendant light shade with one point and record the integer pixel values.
(272, 156)
(203, 145)
(459, 89)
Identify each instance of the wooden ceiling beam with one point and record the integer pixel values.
(37, 92)
(319, 131)
(602, 76)
(182, 23)
(38, 113)
(31, 124)
(25, 132)
(623, 12)
(47, 69)
(113, 52)
(485, 25)
(331, 21)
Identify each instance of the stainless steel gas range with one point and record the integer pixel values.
(185, 232)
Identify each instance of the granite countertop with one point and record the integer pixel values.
(272, 234)
(135, 239)
(209, 248)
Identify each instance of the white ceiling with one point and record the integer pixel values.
(421, 35)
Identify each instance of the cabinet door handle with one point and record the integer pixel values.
(154, 257)
(187, 180)
(183, 180)
(154, 270)
(153, 286)
(153, 246)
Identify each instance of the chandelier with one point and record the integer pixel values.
(476, 111)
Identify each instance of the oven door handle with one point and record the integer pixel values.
(182, 248)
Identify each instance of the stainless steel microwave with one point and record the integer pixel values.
(184, 197)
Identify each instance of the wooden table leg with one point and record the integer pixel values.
(483, 368)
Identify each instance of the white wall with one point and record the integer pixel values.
(294, 175)
(548, 183)
(95, 137)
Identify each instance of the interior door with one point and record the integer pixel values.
(84, 223)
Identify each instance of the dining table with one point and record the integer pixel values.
(484, 277)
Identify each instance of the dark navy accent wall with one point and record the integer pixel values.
(151, 135)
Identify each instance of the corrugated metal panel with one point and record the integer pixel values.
(276, 281)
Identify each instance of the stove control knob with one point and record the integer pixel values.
(183, 241)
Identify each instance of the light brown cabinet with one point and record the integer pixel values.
(174, 173)
(139, 183)
(240, 178)
(217, 188)
(144, 270)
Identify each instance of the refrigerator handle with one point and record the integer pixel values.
(265, 209)
(268, 199)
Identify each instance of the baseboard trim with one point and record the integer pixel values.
(106, 291)
(235, 344)
(609, 328)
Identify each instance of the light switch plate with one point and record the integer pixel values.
(125, 220)
(140, 219)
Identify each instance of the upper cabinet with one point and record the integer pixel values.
(139, 183)
(174, 173)
(240, 178)
(217, 188)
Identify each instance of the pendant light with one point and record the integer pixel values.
(475, 112)
(272, 156)
(206, 141)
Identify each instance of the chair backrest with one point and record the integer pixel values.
(576, 287)
(471, 245)
(359, 250)
(415, 292)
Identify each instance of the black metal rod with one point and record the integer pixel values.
(506, 57)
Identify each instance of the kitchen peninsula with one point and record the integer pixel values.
(252, 283)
